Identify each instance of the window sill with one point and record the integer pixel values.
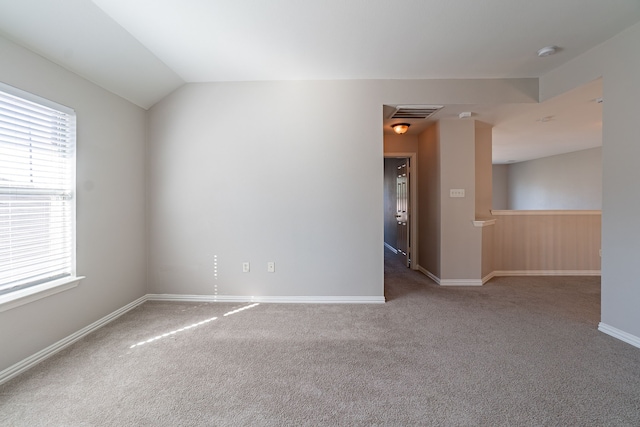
(34, 293)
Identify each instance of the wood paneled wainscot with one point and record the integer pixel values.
(546, 242)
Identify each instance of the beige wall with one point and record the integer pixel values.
(457, 154)
(394, 143)
(454, 154)
(484, 178)
(488, 251)
(547, 242)
(484, 192)
(460, 240)
(429, 200)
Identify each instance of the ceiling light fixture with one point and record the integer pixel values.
(547, 50)
(400, 128)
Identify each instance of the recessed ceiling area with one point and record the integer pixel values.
(569, 122)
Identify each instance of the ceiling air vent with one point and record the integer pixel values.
(415, 111)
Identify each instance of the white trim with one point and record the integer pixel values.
(484, 222)
(270, 299)
(451, 282)
(391, 248)
(428, 274)
(38, 357)
(546, 212)
(460, 282)
(621, 335)
(488, 277)
(547, 273)
(506, 273)
(34, 293)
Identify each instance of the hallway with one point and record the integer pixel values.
(400, 280)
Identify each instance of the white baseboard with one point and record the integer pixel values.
(460, 282)
(546, 273)
(38, 357)
(270, 299)
(488, 277)
(428, 274)
(450, 282)
(391, 248)
(621, 335)
(505, 273)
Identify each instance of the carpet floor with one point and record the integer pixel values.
(518, 351)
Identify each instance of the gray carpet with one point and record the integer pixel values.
(515, 352)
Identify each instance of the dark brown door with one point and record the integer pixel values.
(402, 211)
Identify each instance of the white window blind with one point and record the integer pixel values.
(37, 186)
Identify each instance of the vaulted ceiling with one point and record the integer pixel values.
(144, 49)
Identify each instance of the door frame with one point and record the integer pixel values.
(413, 202)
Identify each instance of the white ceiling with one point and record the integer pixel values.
(144, 49)
(77, 35)
(230, 40)
(566, 123)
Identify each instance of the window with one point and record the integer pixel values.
(37, 192)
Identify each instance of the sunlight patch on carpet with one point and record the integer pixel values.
(194, 325)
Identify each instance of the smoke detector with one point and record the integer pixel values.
(548, 50)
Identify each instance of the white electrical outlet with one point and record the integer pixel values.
(271, 267)
(245, 267)
(456, 192)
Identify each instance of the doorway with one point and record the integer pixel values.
(399, 205)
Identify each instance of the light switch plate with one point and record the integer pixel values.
(456, 192)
